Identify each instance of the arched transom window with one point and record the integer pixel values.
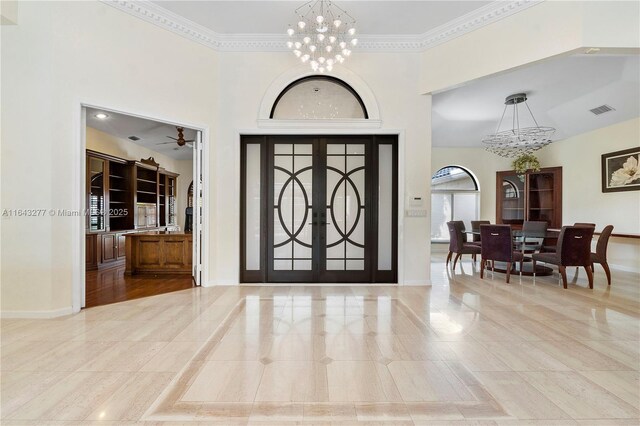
(318, 97)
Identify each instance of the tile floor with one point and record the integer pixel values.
(464, 351)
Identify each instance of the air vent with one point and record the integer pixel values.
(134, 138)
(601, 109)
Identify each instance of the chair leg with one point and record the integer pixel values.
(473, 256)
(448, 258)
(590, 276)
(607, 271)
(456, 260)
(482, 268)
(533, 265)
(563, 273)
(508, 271)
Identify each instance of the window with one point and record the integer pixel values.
(454, 195)
(318, 97)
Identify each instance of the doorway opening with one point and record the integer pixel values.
(141, 236)
(319, 209)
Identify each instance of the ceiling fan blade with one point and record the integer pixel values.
(170, 137)
(165, 143)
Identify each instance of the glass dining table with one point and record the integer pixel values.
(526, 242)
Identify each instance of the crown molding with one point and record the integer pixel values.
(157, 15)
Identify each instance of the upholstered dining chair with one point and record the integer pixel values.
(552, 249)
(475, 227)
(532, 244)
(457, 244)
(600, 256)
(497, 245)
(573, 249)
(459, 224)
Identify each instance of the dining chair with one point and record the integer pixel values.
(573, 249)
(552, 249)
(457, 244)
(497, 245)
(475, 227)
(533, 243)
(600, 256)
(460, 224)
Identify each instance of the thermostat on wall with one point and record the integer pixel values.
(416, 201)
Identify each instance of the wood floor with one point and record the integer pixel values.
(112, 285)
(463, 352)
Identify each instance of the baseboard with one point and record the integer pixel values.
(37, 314)
(622, 268)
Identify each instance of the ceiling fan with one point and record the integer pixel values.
(180, 139)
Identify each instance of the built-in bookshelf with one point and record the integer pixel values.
(146, 185)
(119, 191)
(119, 211)
(124, 196)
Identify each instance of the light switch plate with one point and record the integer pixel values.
(417, 213)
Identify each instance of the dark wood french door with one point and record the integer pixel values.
(321, 209)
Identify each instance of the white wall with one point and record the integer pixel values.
(123, 148)
(391, 77)
(60, 54)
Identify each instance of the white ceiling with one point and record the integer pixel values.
(152, 134)
(273, 17)
(561, 92)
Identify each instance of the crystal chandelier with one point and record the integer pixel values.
(323, 35)
(517, 141)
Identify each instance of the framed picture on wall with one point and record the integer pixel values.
(621, 170)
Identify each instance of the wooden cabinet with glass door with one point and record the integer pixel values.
(535, 196)
(167, 199)
(97, 170)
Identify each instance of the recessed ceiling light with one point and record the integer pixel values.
(101, 116)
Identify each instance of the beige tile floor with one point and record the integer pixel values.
(464, 351)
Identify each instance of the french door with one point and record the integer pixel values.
(319, 219)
